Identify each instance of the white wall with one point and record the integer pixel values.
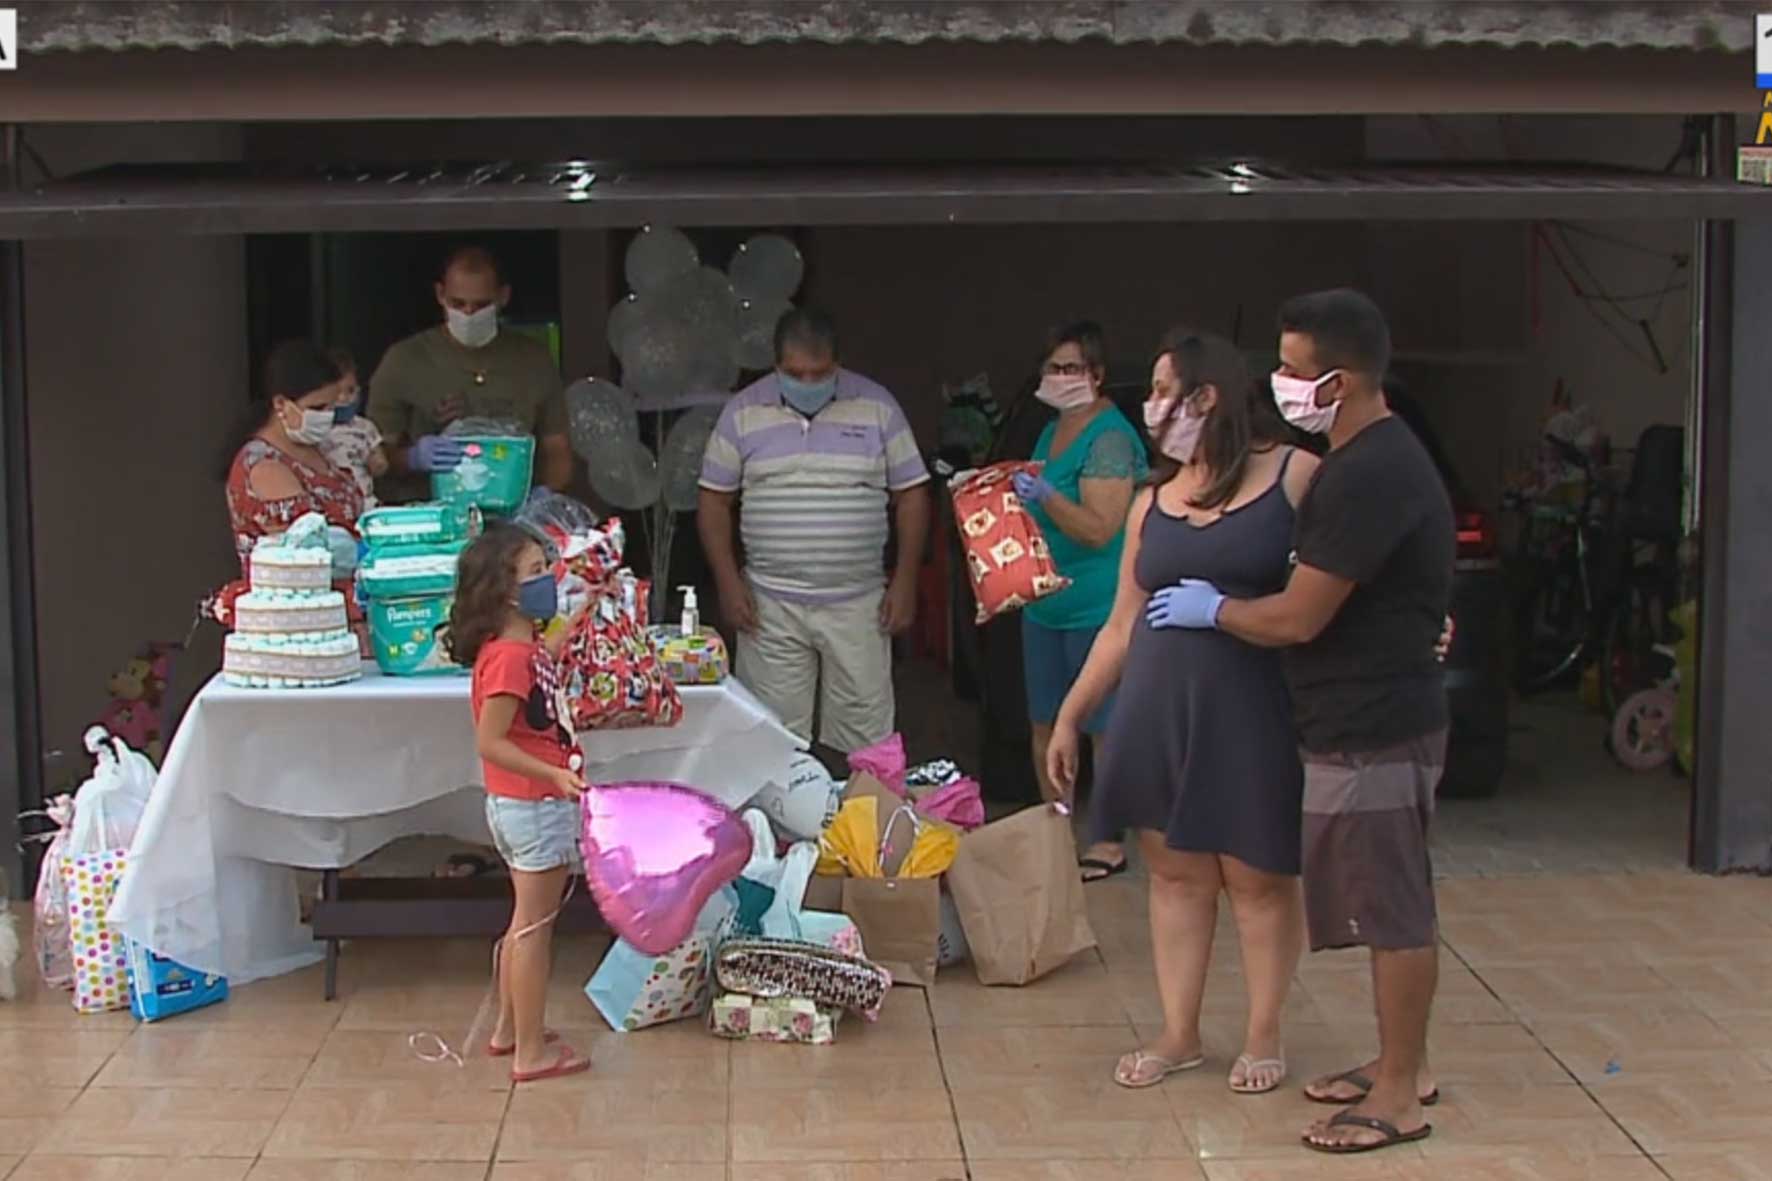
(135, 353)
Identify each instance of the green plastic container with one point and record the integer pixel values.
(408, 635)
(493, 477)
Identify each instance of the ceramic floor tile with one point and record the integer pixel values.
(1681, 1118)
(1522, 1166)
(361, 1170)
(441, 1006)
(1500, 1121)
(614, 1170)
(1491, 1055)
(1085, 1170)
(127, 1168)
(58, 1058)
(1080, 993)
(176, 1057)
(388, 1123)
(379, 1058)
(21, 1133)
(1603, 1051)
(191, 1122)
(1743, 1163)
(866, 1117)
(26, 1113)
(7, 1163)
(1578, 988)
(595, 1120)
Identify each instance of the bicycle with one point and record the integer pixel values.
(1643, 727)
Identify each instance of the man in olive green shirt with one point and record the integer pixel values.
(466, 368)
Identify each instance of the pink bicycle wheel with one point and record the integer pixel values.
(1643, 730)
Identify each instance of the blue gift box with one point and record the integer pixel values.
(160, 988)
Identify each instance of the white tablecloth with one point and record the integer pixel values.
(258, 781)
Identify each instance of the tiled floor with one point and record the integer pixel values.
(1607, 1026)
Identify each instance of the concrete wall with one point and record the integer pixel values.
(135, 371)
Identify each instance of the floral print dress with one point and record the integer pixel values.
(333, 493)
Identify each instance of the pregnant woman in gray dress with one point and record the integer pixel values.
(1201, 758)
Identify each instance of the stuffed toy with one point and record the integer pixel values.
(138, 692)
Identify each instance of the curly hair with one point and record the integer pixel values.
(485, 585)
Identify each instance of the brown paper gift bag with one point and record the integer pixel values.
(900, 924)
(1020, 897)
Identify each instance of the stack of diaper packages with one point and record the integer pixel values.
(406, 579)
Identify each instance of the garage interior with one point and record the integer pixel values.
(1548, 297)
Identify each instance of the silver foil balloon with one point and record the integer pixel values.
(662, 356)
(599, 413)
(755, 346)
(620, 323)
(625, 474)
(657, 255)
(768, 267)
(680, 459)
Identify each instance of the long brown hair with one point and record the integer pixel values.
(1240, 423)
(485, 588)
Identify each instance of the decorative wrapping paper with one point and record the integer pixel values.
(1006, 554)
(609, 671)
(691, 660)
(101, 964)
(772, 968)
(633, 990)
(782, 1019)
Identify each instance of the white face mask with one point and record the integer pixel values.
(1063, 393)
(315, 426)
(1297, 400)
(1182, 437)
(473, 330)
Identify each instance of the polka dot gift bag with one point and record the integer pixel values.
(101, 966)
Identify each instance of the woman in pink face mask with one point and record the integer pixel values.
(1201, 759)
(1092, 461)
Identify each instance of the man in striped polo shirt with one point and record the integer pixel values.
(818, 457)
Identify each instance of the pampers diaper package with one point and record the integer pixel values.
(496, 468)
(406, 579)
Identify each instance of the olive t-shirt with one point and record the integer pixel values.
(1377, 515)
(512, 378)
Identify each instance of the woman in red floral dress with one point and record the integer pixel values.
(278, 472)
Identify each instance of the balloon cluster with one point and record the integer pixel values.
(684, 334)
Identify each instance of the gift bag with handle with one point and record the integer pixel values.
(893, 859)
(633, 990)
(1020, 899)
(787, 917)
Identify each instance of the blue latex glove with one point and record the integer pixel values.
(1031, 488)
(1190, 603)
(435, 453)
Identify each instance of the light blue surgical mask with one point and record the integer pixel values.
(808, 397)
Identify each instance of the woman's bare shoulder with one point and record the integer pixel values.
(1301, 468)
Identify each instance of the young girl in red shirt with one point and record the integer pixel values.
(505, 595)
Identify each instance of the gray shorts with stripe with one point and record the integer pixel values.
(1368, 881)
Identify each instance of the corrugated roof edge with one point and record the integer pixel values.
(53, 26)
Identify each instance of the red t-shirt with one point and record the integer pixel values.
(503, 670)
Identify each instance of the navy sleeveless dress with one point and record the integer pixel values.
(1201, 746)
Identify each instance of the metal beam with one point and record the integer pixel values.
(21, 768)
(239, 199)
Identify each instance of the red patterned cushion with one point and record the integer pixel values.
(1005, 552)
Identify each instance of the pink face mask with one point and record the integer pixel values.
(1182, 437)
(1065, 393)
(1297, 400)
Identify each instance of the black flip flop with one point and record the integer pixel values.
(1357, 1079)
(1108, 868)
(1347, 1119)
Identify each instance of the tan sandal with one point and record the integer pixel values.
(1251, 1066)
(1141, 1069)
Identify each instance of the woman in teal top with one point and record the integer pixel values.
(1093, 458)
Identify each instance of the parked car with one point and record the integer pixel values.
(1477, 666)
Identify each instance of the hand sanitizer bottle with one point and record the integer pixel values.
(691, 622)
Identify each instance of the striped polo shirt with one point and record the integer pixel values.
(813, 491)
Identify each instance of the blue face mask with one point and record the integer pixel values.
(808, 397)
(343, 414)
(538, 598)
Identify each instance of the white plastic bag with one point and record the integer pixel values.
(108, 807)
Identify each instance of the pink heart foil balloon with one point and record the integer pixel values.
(654, 854)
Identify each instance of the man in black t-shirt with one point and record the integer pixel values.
(1374, 544)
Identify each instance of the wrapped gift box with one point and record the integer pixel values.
(692, 660)
(101, 966)
(784, 1019)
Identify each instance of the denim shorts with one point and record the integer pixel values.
(1051, 660)
(534, 836)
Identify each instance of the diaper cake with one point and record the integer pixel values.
(290, 627)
